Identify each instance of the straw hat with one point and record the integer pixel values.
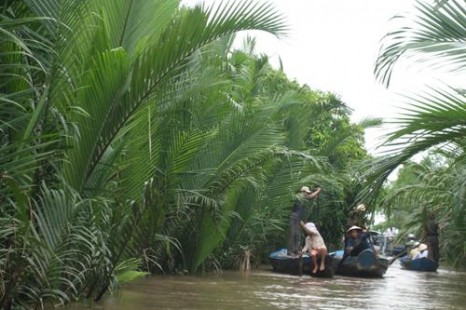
(423, 247)
(310, 228)
(354, 228)
(413, 243)
(361, 208)
(305, 189)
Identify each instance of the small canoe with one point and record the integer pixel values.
(367, 264)
(420, 264)
(283, 263)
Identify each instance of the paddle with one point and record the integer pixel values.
(393, 259)
(301, 264)
(401, 254)
(345, 254)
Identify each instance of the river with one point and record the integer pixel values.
(263, 289)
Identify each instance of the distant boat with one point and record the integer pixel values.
(366, 264)
(283, 263)
(420, 264)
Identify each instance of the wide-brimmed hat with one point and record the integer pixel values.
(305, 189)
(311, 228)
(423, 247)
(361, 207)
(354, 228)
(413, 243)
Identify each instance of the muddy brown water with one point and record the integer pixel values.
(263, 289)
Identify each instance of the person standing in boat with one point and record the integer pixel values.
(297, 213)
(431, 237)
(315, 245)
(357, 217)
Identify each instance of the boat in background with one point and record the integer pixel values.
(367, 264)
(420, 264)
(283, 263)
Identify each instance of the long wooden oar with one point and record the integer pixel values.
(301, 264)
(393, 259)
(401, 254)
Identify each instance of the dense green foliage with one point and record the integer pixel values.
(133, 139)
(435, 37)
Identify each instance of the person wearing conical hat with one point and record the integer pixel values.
(423, 252)
(357, 241)
(297, 214)
(417, 248)
(414, 249)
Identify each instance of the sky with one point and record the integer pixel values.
(332, 45)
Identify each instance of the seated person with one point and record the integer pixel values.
(414, 250)
(356, 242)
(412, 247)
(411, 243)
(422, 251)
(410, 238)
(315, 245)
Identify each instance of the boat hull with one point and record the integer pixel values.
(420, 264)
(282, 263)
(367, 264)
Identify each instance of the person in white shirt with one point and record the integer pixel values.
(423, 252)
(315, 245)
(414, 250)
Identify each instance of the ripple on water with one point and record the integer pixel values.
(262, 289)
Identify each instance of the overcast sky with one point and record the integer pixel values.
(332, 46)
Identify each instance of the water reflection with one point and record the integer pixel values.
(262, 289)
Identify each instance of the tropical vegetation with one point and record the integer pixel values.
(435, 37)
(135, 139)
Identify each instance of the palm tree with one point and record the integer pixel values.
(438, 36)
(438, 187)
(435, 37)
(78, 77)
(262, 215)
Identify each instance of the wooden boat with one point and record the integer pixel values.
(366, 264)
(420, 264)
(283, 263)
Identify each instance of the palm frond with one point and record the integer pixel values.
(111, 77)
(438, 38)
(370, 122)
(135, 24)
(188, 32)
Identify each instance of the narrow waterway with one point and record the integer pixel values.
(263, 289)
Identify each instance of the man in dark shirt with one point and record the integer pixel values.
(357, 241)
(297, 214)
(431, 236)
